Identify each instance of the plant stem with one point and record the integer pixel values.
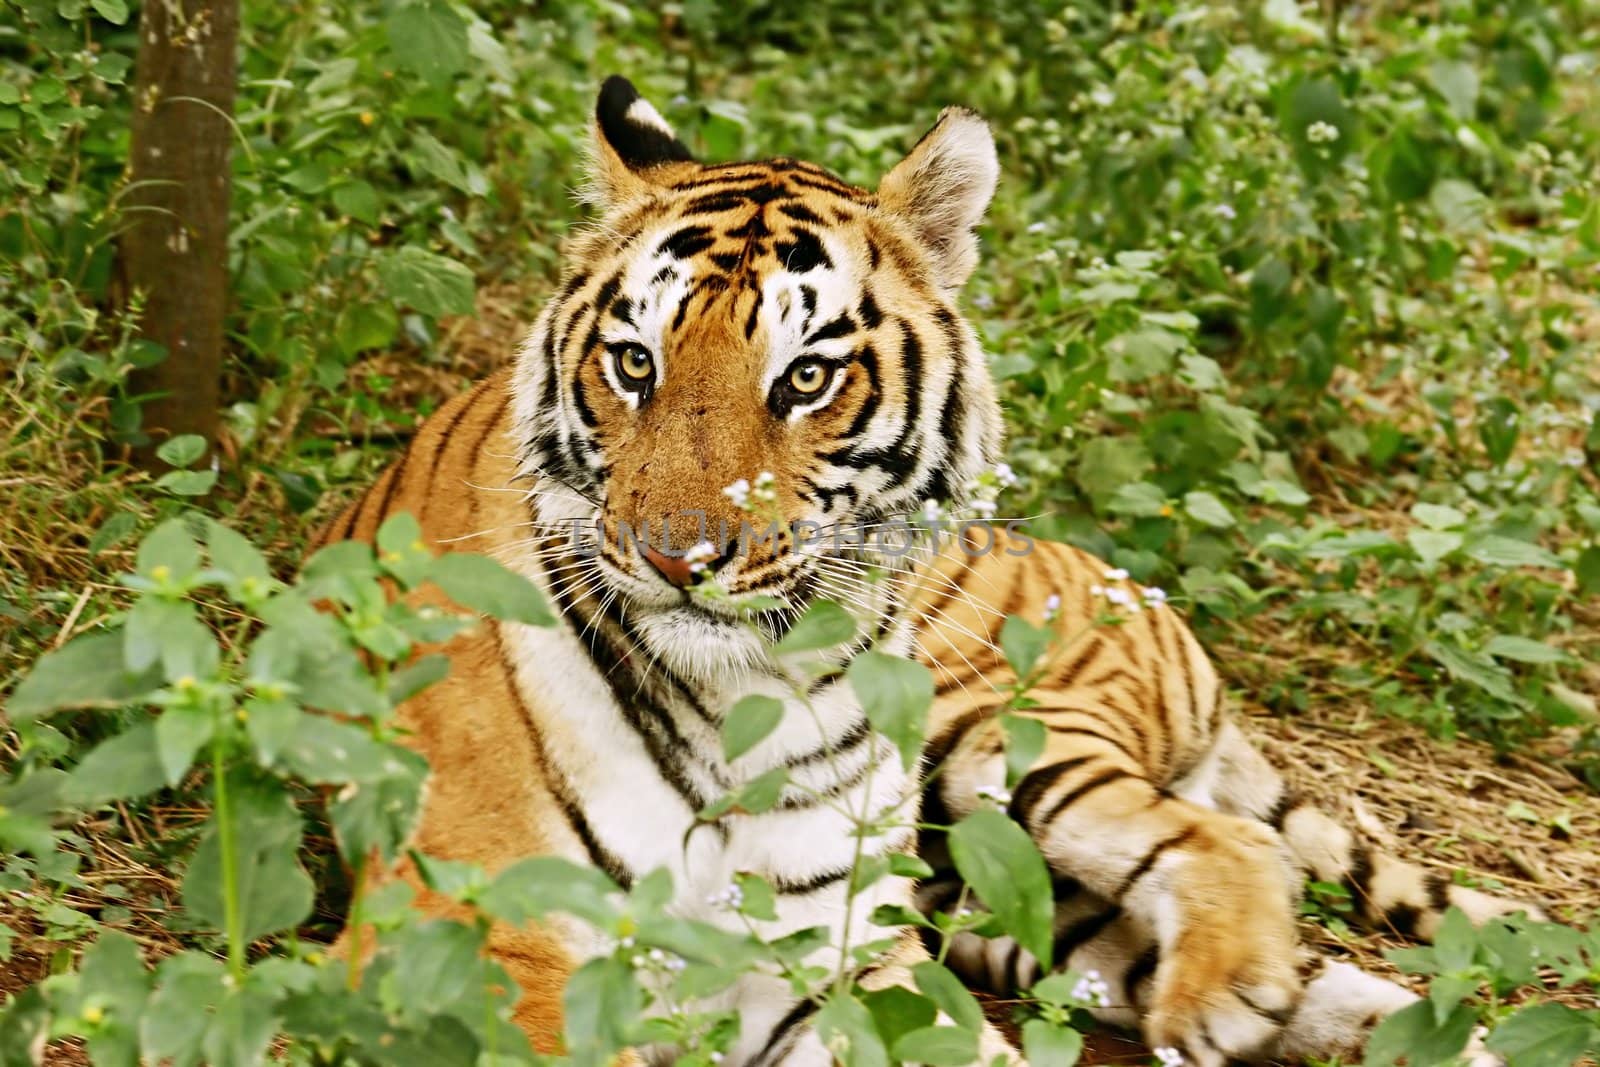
(228, 848)
(352, 974)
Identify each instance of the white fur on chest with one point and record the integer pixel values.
(638, 817)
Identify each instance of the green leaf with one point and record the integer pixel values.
(1474, 669)
(273, 891)
(747, 723)
(824, 625)
(1524, 650)
(756, 796)
(180, 731)
(1499, 427)
(1109, 463)
(1509, 552)
(1204, 507)
(1459, 204)
(359, 200)
(113, 11)
(941, 986)
(999, 860)
(433, 284)
(602, 1000)
(87, 672)
(270, 725)
(175, 1025)
(401, 551)
(120, 768)
(1438, 516)
(363, 327)
(113, 531)
(1049, 1045)
(1412, 1035)
(1023, 643)
(1025, 740)
(1431, 546)
(1546, 1035)
(847, 1031)
(1140, 499)
(1457, 82)
(113, 981)
(182, 450)
(243, 1026)
(169, 546)
(938, 1046)
(428, 38)
(482, 585)
(232, 552)
(895, 694)
(896, 1011)
(169, 630)
(533, 888)
(1587, 571)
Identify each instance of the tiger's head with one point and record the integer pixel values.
(725, 322)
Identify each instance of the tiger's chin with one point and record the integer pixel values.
(690, 641)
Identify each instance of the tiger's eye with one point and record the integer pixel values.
(808, 377)
(636, 364)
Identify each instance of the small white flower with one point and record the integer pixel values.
(1119, 597)
(984, 509)
(1038, 227)
(715, 1057)
(729, 896)
(1116, 574)
(1091, 989)
(1049, 257)
(1169, 1057)
(1322, 133)
(1052, 607)
(1005, 475)
(699, 556)
(1153, 594)
(983, 301)
(765, 488)
(931, 511)
(657, 956)
(1225, 211)
(739, 493)
(995, 795)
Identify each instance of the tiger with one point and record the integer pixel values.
(767, 320)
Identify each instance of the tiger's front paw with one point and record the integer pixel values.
(1222, 1003)
(1228, 981)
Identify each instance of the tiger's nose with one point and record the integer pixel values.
(675, 569)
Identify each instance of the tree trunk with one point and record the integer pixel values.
(174, 250)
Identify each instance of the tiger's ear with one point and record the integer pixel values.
(942, 189)
(632, 146)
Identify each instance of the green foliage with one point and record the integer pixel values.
(1500, 959)
(1290, 315)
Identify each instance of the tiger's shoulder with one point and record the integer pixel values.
(457, 477)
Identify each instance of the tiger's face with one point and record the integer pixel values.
(747, 367)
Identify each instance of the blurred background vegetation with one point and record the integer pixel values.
(1295, 306)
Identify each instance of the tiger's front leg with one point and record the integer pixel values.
(1214, 890)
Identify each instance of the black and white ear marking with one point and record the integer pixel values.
(631, 140)
(942, 189)
(634, 129)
